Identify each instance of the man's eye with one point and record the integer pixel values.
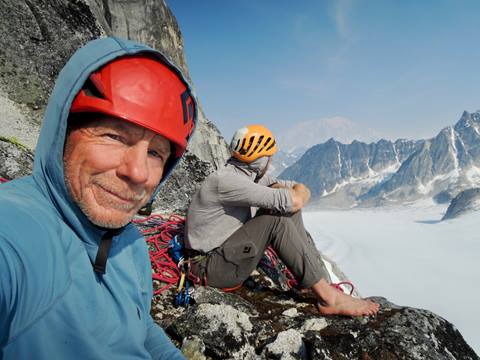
(114, 137)
(156, 154)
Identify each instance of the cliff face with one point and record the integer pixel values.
(37, 38)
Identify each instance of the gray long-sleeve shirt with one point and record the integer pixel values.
(224, 203)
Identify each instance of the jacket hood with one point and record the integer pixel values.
(48, 170)
(253, 169)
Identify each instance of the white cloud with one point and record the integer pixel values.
(341, 12)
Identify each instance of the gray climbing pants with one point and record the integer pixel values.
(231, 263)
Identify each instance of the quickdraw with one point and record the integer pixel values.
(175, 249)
(182, 298)
(169, 267)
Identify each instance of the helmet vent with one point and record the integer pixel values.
(265, 144)
(243, 144)
(93, 88)
(244, 151)
(271, 146)
(260, 139)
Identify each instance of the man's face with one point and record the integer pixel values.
(112, 168)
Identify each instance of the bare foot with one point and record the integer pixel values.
(334, 302)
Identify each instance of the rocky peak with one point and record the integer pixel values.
(326, 168)
(468, 120)
(148, 22)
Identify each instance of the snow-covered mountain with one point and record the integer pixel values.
(283, 159)
(465, 202)
(387, 172)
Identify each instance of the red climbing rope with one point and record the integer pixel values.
(158, 231)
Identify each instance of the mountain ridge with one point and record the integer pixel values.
(392, 172)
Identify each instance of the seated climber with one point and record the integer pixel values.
(220, 225)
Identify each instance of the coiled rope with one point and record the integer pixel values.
(158, 230)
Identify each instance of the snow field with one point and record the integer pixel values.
(408, 256)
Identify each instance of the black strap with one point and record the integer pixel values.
(100, 265)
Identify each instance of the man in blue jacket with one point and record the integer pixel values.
(75, 276)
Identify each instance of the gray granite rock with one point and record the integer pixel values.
(37, 38)
(152, 23)
(225, 331)
(176, 193)
(396, 332)
(15, 160)
(288, 345)
(193, 348)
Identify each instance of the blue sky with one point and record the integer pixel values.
(399, 68)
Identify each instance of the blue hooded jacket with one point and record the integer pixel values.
(52, 303)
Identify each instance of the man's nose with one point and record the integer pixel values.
(135, 164)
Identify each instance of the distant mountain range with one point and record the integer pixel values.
(283, 159)
(385, 172)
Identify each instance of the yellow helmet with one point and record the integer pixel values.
(252, 142)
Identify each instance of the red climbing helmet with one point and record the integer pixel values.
(143, 90)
